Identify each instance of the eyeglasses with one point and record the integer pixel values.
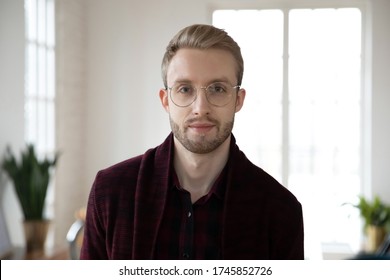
(218, 94)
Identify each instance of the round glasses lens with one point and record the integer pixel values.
(219, 94)
(183, 95)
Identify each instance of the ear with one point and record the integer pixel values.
(164, 99)
(240, 99)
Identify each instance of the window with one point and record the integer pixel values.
(40, 75)
(302, 116)
(40, 80)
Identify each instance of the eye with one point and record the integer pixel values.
(184, 89)
(217, 88)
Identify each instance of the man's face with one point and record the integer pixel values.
(202, 127)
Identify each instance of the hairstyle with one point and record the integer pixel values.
(203, 37)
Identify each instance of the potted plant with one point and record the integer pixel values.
(376, 216)
(31, 177)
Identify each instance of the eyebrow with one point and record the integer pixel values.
(188, 81)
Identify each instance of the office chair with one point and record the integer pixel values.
(75, 238)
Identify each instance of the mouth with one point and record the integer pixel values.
(201, 127)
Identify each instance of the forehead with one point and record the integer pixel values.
(202, 66)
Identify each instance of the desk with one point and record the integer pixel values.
(58, 253)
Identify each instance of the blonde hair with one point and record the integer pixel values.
(203, 37)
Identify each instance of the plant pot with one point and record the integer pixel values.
(375, 237)
(35, 234)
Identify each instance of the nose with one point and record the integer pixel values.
(201, 106)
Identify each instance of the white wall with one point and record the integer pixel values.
(381, 99)
(11, 104)
(71, 42)
(116, 84)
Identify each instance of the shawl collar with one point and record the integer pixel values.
(248, 216)
(150, 197)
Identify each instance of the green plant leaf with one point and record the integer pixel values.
(30, 178)
(374, 213)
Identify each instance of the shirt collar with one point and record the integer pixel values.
(218, 189)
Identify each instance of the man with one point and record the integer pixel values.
(196, 196)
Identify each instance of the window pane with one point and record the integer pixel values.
(30, 121)
(50, 74)
(42, 71)
(31, 70)
(324, 98)
(50, 127)
(50, 25)
(31, 20)
(324, 49)
(41, 21)
(42, 127)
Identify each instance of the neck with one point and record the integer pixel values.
(198, 172)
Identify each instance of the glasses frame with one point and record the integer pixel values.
(197, 93)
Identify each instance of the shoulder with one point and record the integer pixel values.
(271, 200)
(278, 196)
(125, 174)
(120, 171)
(275, 192)
(261, 184)
(268, 182)
(115, 182)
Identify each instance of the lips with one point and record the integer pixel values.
(201, 127)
